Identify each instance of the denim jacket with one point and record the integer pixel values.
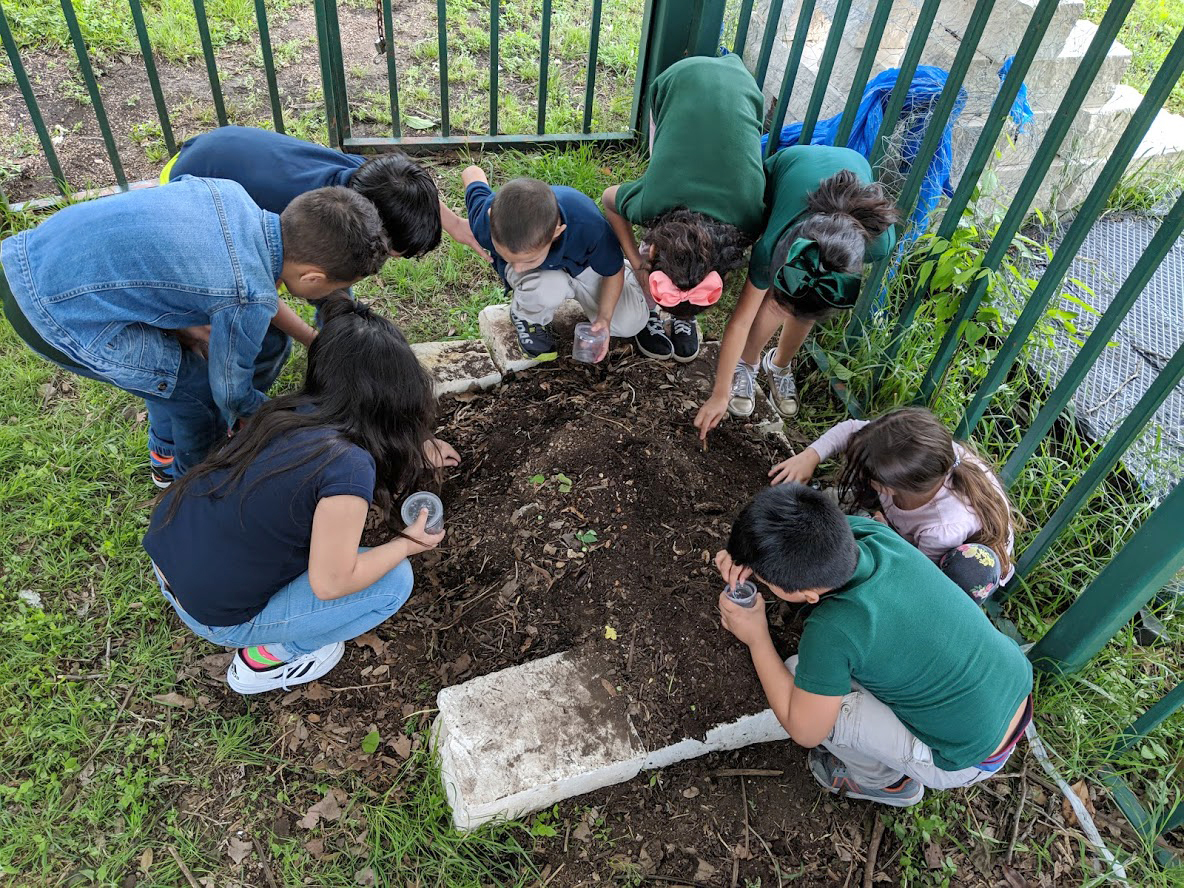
(102, 281)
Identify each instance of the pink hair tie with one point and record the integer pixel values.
(667, 295)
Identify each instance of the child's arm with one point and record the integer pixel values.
(458, 228)
(623, 229)
(735, 335)
(335, 566)
(801, 467)
(291, 323)
(611, 288)
(471, 174)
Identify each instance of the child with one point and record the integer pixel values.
(902, 683)
(938, 494)
(825, 220)
(551, 243)
(702, 198)
(259, 547)
(275, 168)
(117, 289)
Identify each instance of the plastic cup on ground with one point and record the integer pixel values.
(586, 344)
(743, 594)
(424, 499)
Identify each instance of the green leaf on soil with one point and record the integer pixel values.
(587, 537)
(564, 482)
(537, 479)
(419, 123)
(370, 742)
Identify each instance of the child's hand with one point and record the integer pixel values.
(710, 414)
(419, 538)
(879, 516)
(195, 339)
(732, 572)
(798, 468)
(601, 326)
(748, 624)
(467, 238)
(440, 454)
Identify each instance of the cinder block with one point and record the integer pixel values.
(524, 738)
(461, 366)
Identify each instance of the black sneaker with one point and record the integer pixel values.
(652, 341)
(535, 339)
(684, 334)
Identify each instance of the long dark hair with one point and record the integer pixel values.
(364, 382)
(688, 246)
(843, 215)
(910, 450)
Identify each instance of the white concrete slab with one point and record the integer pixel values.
(461, 366)
(497, 331)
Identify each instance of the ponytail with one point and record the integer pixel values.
(844, 196)
(977, 485)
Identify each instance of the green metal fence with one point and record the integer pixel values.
(671, 29)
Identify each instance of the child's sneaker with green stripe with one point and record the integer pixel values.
(161, 468)
(256, 669)
(834, 777)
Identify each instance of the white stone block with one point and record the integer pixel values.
(497, 331)
(460, 366)
(760, 727)
(1164, 142)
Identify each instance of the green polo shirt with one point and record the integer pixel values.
(706, 154)
(792, 174)
(920, 645)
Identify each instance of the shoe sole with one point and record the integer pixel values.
(248, 690)
(787, 414)
(687, 359)
(161, 485)
(738, 414)
(649, 354)
(543, 358)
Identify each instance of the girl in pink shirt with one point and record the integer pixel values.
(937, 493)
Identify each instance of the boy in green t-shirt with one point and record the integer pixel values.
(900, 681)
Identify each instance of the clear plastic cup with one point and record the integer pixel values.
(423, 499)
(587, 345)
(743, 594)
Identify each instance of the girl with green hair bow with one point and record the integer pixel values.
(826, 218)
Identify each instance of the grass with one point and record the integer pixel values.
(91, 787)
(1150, 28)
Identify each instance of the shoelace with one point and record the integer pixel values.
(783, 381)
(680, 327)
(654, 326)
(743, 382)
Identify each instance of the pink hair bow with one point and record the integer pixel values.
(667, 295)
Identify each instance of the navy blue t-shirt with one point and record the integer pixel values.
(273, 168)
(225, 556)
(588, 241)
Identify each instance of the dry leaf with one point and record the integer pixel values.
(1013, 879)
(690, 792)
(582, 833)
(706, 872)
(372, 641)
(1081, 790)
(461, 664)
(328, 808)
(316, 691)
(401, 746)
(146, 861)
(238, 849)
(316, 848)
(933, 856)
(174, 699)
(366, 876)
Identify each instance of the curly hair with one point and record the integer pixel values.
(688, 246)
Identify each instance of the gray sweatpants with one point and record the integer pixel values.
(538, 293)
(877, 748)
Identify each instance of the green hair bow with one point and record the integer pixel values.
(804, 279)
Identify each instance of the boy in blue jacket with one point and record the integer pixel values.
(171, 294)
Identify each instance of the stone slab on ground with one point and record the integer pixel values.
(497, 331)
(524, 738)
(461, 366)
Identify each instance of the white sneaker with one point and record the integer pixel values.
(743, 400)
(783, 391)
(302, 670)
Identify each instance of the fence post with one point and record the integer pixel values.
(332, 72)
(1127, 583)
(676, 32)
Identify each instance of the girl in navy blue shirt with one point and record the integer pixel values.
(258, 547)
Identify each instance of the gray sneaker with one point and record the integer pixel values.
(743, 399)
(783, 391)
(832, 774)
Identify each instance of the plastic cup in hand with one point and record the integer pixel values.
(587, 344)
(743, 594)
(423, 500)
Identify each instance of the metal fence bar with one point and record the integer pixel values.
(1170, 229)
(1057, 130)
(805, 13)
(544, 65)
(442, 46)
(494, 23)
(1142, 567)
(762, 60)
(904, 77)
(26, 88)
(593, 50)
(707, 25)
(934, 129)
(1167, 706)
(337, 69)
(423, 145)
(207, 50)
(742, 28)
(1050, 281)
(983, 150)
(1104, 462)
(162, 111)
(826, 65)
(273, 89)
(326, 75)
(392, 74)
(92, 88)
(863, 70)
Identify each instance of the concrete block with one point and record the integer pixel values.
(461, 366)
(1164, 143)
(524, 738)
(497, 331)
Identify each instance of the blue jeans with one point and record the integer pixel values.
(296, 622)
(188, 423)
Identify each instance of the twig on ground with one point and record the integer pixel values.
(851, 865)
(110, 728)
(1019, 812)
(873, 848)
(90, 676)
(184, 869)
(551, 878)
(388, 684)
(263, 860)
(746, 772)
(772, 859)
